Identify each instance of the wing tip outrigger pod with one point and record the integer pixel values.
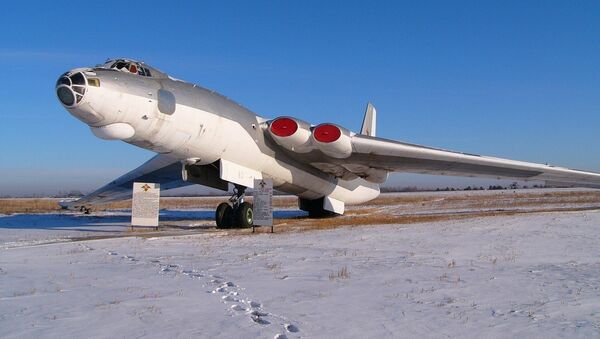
(369, 124)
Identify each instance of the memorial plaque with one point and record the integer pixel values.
(263, 202)
(145, 204)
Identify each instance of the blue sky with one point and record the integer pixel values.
(516, 79)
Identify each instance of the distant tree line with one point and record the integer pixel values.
(513, 186)
(384, 189)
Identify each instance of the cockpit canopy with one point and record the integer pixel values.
(132, 66)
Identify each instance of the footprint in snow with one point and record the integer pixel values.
(259, 320)
(291, 328)
(237, 307)
(254, 304)
(192, 274)
(225, 286)
(256, 313)
(258, 317)
(280, 336)
(112, 253)
(169, 268)
(129, 258)
(229, 297)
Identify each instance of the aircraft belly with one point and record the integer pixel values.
(294, 180)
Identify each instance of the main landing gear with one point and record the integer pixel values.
(85, 210)
(235, 213)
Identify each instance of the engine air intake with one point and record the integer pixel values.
(327, 133)
(283, 127)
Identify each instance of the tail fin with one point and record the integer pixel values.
(369, 121)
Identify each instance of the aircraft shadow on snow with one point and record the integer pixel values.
(95, 223)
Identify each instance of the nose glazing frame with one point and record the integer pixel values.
(75, 83)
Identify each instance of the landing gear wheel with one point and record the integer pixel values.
(223, 215)
(236, 213)
(244, 215)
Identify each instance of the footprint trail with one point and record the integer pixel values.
(230, 294)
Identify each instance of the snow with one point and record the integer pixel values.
(534, 275)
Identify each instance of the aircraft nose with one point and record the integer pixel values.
(71, 88)
(74, 91)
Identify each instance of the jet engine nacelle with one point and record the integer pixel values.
(333, 140)
(291, 134)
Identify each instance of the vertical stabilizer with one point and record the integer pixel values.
(369, 121)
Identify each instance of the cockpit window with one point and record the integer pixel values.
(130, 67)
(119, 65)
(133, 67)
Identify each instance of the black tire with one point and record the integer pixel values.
(223, 215)
(315, 208)
(244, 215)
(320, 214)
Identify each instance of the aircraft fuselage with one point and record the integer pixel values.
(196, 126)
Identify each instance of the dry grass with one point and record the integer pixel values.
(9, 206)
(437, 207)
(48, 205)
(306, 224)
(342, 273)
(493, 198)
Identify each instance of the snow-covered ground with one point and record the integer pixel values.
(533, 275)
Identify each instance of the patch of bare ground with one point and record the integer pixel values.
(357, 219)
(10, 206)
(408, 209)
(49, 205)
(494, 198)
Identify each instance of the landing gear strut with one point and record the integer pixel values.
(85, 210)
(235, 213)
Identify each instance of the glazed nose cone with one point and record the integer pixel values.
(71, 88)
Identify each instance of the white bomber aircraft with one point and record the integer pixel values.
(202, 137)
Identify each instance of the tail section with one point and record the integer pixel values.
(369, 124)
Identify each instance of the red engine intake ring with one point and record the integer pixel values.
(327, 133)
(283, 127)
